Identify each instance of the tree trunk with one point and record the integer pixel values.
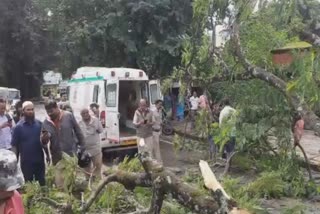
(164, 182)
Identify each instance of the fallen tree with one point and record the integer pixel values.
(162, 182)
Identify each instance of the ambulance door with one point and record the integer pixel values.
(112, 113)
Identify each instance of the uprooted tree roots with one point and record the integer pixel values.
(162, 182)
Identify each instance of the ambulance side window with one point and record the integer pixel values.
(112, 95)
(154, 95)
(144, 91)
(95, 94)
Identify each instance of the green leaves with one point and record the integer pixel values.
(145, 34)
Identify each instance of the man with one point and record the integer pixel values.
(225, 119)
(26, 144)
(64, 103)
(143, 122)
(194, 102)
(94, 107)
(157, 118)
(91, 128)
(204, 102)
(5, 127)
(11, 179)
(59, 129)
(18, 112)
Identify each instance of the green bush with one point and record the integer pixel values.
(268, 184)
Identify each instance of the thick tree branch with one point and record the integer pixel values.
(128, 180)
(157, 197)
(254, 71)
(310, 37)
(162, 182)
(63, 208)
(294, 100)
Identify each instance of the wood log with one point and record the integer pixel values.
(210, 180)
(228, 205)
(163, 182)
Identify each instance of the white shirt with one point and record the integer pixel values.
(194, 103)
(5, 134)
(225, 114)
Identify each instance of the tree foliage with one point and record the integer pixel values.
(24, 48)
(141, 34)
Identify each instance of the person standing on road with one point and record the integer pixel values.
(204, 102)
(18, 112)
(11, 179)
(59, 129)
(94, 107)
(298, 128)
(157, 118)
(194, 102)
(26, 144)
(91, 128)
(63, 100)
(143, 121)
(225, 119)
(6, 123)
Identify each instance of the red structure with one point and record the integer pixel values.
(285, 55)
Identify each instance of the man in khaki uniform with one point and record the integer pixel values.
(143, 121)
(157, 118)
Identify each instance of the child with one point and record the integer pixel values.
(11, 178)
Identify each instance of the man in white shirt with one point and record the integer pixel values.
(194, 102)
(6, 124)
(225, 118)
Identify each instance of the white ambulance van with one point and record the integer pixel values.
(117, 91)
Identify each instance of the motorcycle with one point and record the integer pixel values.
(167, 128)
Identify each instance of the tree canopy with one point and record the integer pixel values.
(139, 34)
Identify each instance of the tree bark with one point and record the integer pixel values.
(164, 182)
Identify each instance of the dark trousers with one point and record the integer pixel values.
(34, 172)
(229, 147)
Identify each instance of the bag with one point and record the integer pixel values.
(84, 158)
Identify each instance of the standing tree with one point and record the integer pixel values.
(25, 51)
(139, 34)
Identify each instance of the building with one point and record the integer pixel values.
(50, 86)
(284, 56)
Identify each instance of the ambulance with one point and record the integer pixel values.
(117, 91)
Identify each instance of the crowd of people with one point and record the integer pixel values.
(36, 143)
(27, 144)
